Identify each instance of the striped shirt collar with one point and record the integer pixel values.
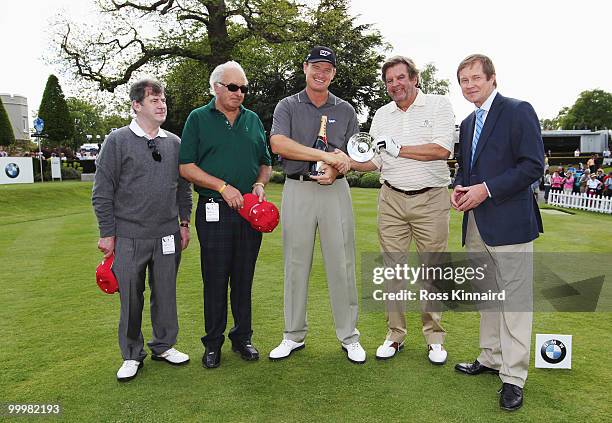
(419, 101)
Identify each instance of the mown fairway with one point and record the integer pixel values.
(59, 336)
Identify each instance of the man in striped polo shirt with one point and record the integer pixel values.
(414, 136)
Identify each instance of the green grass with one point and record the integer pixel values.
(59, 334)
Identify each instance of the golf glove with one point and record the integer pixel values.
(387, 143)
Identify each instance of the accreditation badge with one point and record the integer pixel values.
(212, 211)
(168, 245)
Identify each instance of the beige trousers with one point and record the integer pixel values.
(424, 217)
(306, 208)
(505, 336)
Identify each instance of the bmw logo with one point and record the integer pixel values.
(12, 170)
(553, 351)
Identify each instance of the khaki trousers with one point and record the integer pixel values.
(424, 217)
(505, 336)
(306, 207)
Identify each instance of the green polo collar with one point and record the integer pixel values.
(211, 105)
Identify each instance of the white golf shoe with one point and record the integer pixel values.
(285, 348)
(388, 349)
(355, 352)
(172, 356)
(437, 354)
(128, 370)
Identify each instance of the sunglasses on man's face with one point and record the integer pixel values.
(233, 87)
(155, 153)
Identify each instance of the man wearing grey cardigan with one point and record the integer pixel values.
(138, 197)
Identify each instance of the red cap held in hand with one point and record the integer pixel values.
(250, 200)
(263, 217)
(105, 277)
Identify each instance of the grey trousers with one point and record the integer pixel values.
(133, 257)
(505, 336)
(306, 206)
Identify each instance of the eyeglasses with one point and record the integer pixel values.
(233, 87)
(155, 153)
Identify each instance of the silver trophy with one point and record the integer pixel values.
(361, 147)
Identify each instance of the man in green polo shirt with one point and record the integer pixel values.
(225, 154)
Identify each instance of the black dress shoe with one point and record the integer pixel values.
(211, 358)
(247, 351)
(474, 368)
(511, 397)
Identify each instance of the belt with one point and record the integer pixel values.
(300, 177)
(208, 200)
(415, 192)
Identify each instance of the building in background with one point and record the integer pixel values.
(17, 109)
(565, 142)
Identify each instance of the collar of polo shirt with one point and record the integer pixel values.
(419, 101)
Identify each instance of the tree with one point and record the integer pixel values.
(54, 111)
(113, 121)
(550, 124)
(430, 84)
(87, 119)
(92, 119)
(207, 31)
(7, 137)
(592, 110)
(270, 38)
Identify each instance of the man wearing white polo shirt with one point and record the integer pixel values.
(414, 137)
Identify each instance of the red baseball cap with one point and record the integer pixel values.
(264, 217)
(105, 277)
(250, 200)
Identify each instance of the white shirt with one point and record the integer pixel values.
(593, 183)
(136, 129)
(486, 106)
(430, 119)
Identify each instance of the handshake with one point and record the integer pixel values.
(386, 143)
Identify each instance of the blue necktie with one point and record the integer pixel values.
(477, 131)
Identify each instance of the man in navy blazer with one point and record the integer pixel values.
(501, 155)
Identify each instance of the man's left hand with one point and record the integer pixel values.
(472, 197)
(259, 191)
(328, 177)
(387, 144)
(184, 237)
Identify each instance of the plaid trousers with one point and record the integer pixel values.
(228, 253)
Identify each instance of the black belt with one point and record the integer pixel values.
(208, 200)
(300, 177)
(415, 192)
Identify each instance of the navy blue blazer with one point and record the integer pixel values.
(509, 157)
